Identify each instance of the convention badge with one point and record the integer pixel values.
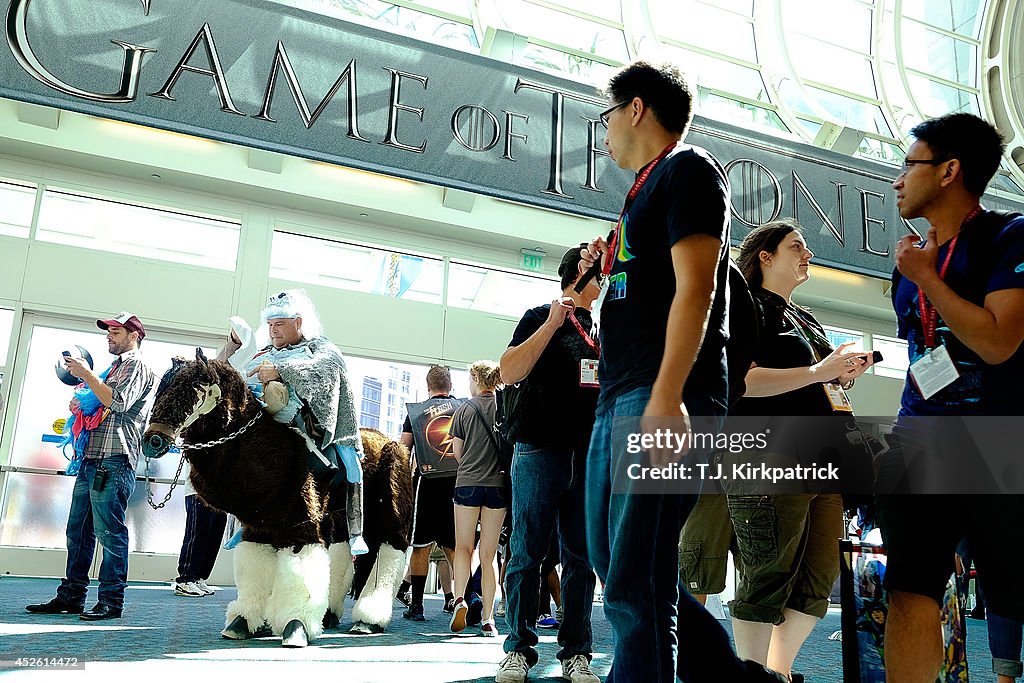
(837, 397)
(58, 425)
(588, 373)
(933, 372)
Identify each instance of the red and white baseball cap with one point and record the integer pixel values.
(126, 320)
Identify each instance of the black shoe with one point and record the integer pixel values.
(404, 597)
(476, 611)
(977, 613)
(331, 620)
(55, 606)
(100, 611)
(414, 613)
(449, 605)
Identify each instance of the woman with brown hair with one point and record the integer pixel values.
(788, 551)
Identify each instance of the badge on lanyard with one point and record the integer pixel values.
(837, 397)
(588, 373)
(933, 372)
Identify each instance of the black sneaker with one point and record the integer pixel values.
(405, 597)
(449, 605)
(414, 613)
(55, 606)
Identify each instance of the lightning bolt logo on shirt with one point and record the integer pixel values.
(622, 254)
(438, 437)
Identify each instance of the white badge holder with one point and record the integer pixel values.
(588, 373)
(933, 372)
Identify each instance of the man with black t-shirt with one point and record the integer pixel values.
(433, 480)
(554, 351)
(663, 333)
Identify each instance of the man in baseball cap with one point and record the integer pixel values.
(126, 320)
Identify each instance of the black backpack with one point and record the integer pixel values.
(744, 329)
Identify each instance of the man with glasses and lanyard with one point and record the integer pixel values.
(959, 300)
(663, 329)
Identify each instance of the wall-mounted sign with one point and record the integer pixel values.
(265, 75)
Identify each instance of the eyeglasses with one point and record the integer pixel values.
(907, 163)
(607, 112)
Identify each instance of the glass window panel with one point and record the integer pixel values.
(810, 127)
(357, 268)
(462, 8)
(895, 360)
(817, 60)
(496, 291)
(744, 7)
(428, 26)
(369, 374)
(939, 55)
(563, 29)
(880, 150)
(35, 510)
(718, 74)
(838, 335)
(959, 16)
(6, 321)
(720, 108)
(567, 65)
(938, 99)
(698, 24)
(1001, 181)
(16, 204)
(606, 9)
(111, 226)
(846, 23)
(852, 112)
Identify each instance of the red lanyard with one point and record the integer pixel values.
(583, 333)
(930, 316)
(633, 192)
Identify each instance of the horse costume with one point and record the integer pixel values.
(294, 565)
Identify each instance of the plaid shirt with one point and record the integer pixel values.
(121, 431)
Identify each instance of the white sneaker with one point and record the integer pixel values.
(577, 670)
(499, 611)
(512, 669)
(201, 584)
(188, 590)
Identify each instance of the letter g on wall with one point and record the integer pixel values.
(17, 40)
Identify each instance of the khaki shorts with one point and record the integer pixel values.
(789, 554)
(704, 545)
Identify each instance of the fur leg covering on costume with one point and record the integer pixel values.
(300, 589)
(342, 572)
(375, 602)
(255, 568)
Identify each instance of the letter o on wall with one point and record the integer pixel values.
(469, 127)
(758, 188)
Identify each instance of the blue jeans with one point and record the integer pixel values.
(547, 488)
(633, 540)
(1004, 640)
(98, 515)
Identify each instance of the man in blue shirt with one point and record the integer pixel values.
(959, 299)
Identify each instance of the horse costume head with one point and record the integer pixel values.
(188, 391)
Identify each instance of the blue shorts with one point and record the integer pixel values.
(492, 497)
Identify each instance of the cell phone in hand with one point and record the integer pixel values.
(66, 354)
(876, 357)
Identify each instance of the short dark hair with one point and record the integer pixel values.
(439, 378)
(662, 88)
(569, 268)
(972, 140)
(765, 237)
